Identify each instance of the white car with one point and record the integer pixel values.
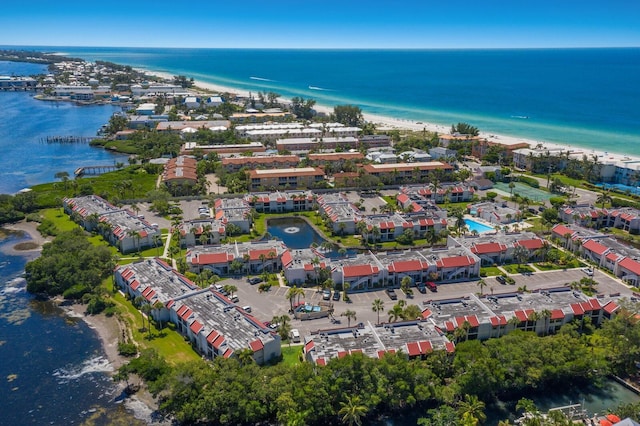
(295, 335)
(587, 271)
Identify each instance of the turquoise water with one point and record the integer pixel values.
(476, 226)
(584, 97)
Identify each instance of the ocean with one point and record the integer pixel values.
(581, 97)
(53, 368)
(24, 123)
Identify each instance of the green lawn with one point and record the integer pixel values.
(59, 218)
(490, 271)
(291, 355)
(169, 343)
(517, 269)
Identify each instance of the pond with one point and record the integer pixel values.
(296, 233)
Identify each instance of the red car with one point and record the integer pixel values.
(431, 286)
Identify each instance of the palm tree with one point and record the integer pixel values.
(285, 326)
(396, 312)
(604, 198)
(230, 288)
(159, 306)
(412, 312)
(351, 315)
(352, 411)
(482, 284)
(377, 306)
(245, 356)
(146, 309)
(521, 255)
(473, 408)
(293, 293)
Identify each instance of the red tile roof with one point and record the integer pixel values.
(359, 270)
(342, 354)
(498, 320)
(562, 230)
(407, 266)
(577, 308)
(196, 327)
(321, 361)
(425, 347)
(455, 262)
(595, 247)
(256, 345)
(218, 341)
(450, 347)
(523, 315)
(413, 349)
(532, 244)
(212, 336)
(487, 248)
(309, 346)
(630, 265)
(402, 198)
(255, 254)
(287, 258)
(610, 307)
(213, 258)
(557, 314)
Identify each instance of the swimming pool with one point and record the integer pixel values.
(477, 226)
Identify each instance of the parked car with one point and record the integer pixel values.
(432, 286)
(391, 293)
(421, 288)
(246, 308)
(501, 279)
(295, 335)
(336, 295)
(326, 295)
(234, 298)
(587, 271)
(255, 280)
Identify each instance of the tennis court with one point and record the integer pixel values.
(522, 190)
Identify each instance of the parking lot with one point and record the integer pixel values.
(274, 302)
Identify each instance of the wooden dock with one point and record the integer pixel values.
(94, 170)
(67, 139)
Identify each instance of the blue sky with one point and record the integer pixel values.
(323, 23)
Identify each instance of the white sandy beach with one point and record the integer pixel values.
(384, 122)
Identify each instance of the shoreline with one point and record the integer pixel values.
(391, 123)
(108, 330)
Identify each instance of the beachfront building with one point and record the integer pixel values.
(374, 141)
(180, 174)
(201, 231)
(237, 258)
(191, 126)
(224, 149)
(122, 228)
(288, 178)
(339, 212)
(260, 117)
(304, 145)
(498, 214)
(281, 201)
(507, 148)
(405, 172)
(157, 89)
(440, 152)
(212, 323)
(234, 211)
(445, 139)
(275, 131)
(234, 164)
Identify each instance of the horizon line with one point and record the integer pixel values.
(325, 48)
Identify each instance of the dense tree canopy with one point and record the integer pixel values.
(68, 261)
(349, 115)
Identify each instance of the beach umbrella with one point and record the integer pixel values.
(613, 418)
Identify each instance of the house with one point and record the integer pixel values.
(180, 174)
(405, 172)
(234, 164)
